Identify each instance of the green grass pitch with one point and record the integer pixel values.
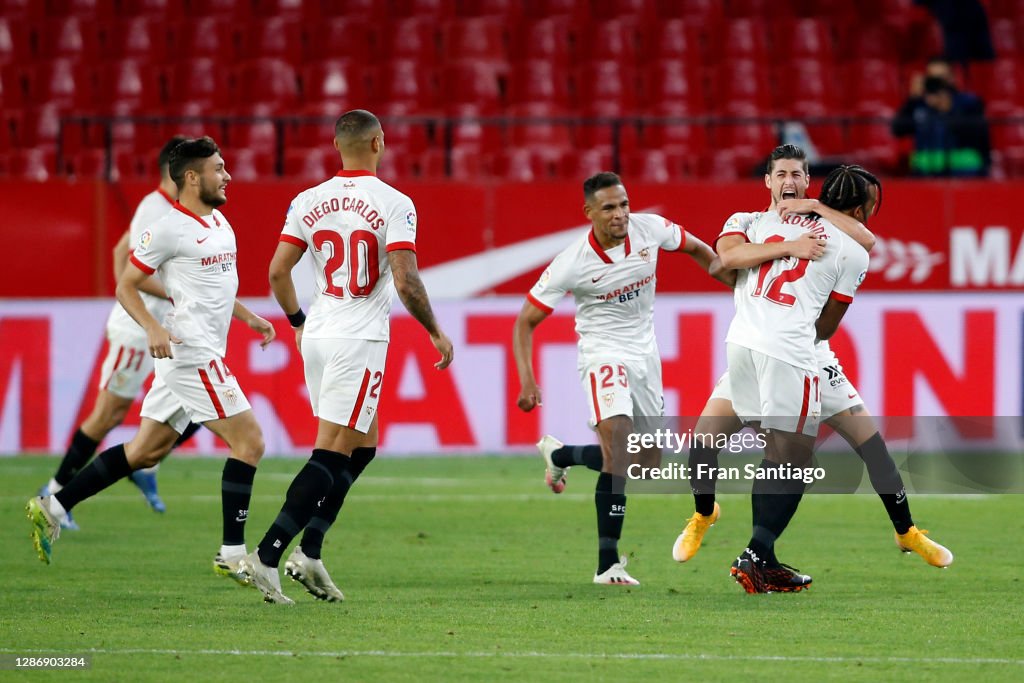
(470, 569)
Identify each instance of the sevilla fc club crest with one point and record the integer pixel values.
(369, 410)
(608, 399)
(231, 396)
(645, 254)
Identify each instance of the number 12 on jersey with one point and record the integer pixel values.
(361, 253)
(774, 291)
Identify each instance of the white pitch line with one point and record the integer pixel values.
(650, 656)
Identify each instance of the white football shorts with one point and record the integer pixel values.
(778, 395)
(127, 364)
(837, 393)
(186, 391)
(344, 378)
(618, 387)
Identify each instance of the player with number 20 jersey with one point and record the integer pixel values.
(349, 222)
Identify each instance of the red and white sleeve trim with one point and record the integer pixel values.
(845, 298)
(538, 303)
(293, 240)
(729, 234)
(396, 246)
(142, 266)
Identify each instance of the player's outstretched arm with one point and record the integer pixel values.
(736, 253)
(158, 338)
(708, 260)
(522, 348)
(260, 325)
(285, 258)
(414, 297)
(122, 252)
(844, 221)
(831, 315)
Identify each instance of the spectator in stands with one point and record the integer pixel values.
(949, 126)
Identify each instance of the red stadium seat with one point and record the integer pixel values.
(670, 88)
(138, 38)
(538, 81)
(235, 9)
(61, 81)
(37, 126)
(873, 87)
(212, 37)
(572, 9)
(507, 9)
(520, 165)
(413, 38)
(676, 40)
(200, 80)
(804, 88)
(128, 85)
(14, 45)
(741, 89)
(609, 41)
(1005, 39)
(132, 165)
(284, 9)
(604, 89)
(337, 82)
(1001, 86)
(477, 38)
(143, 8)
(744, 39)
(539, 127)
(701, 11)
(749, 142)
(258, 134)
(275, 37)
(801, 39)
(874, 145)
(35, 163)
(468, 132)
(584, 163)
(408, 83)
(249, 164)
(89, 164)
(470, 83)
(342, 38)
(676, 138)
(68, 37)
(313, 164)
(858, 41)
(268, 82)
(545, 40)
(428, 9)
(401, 134)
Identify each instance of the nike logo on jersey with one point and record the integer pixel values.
(596, 279)
(853, 395)
(200, 241)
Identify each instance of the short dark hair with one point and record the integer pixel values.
(846, 187)
(188, 155)
(164, 158)
(599, 181)
(936, 84)
(785, 152)
(355, 125)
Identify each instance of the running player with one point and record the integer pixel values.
(611, 273)
(128, 363)
(193, 248)
(362, 233)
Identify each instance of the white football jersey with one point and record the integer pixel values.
(614, 289)
(151, 209)
(195, 256)
(351, 221)
(778, 302)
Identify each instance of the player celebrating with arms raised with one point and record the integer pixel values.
(611, 273)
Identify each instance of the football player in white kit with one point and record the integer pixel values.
(610, 271)
(193, 248)
(127, 363)
(841, 405)
(362, 234)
